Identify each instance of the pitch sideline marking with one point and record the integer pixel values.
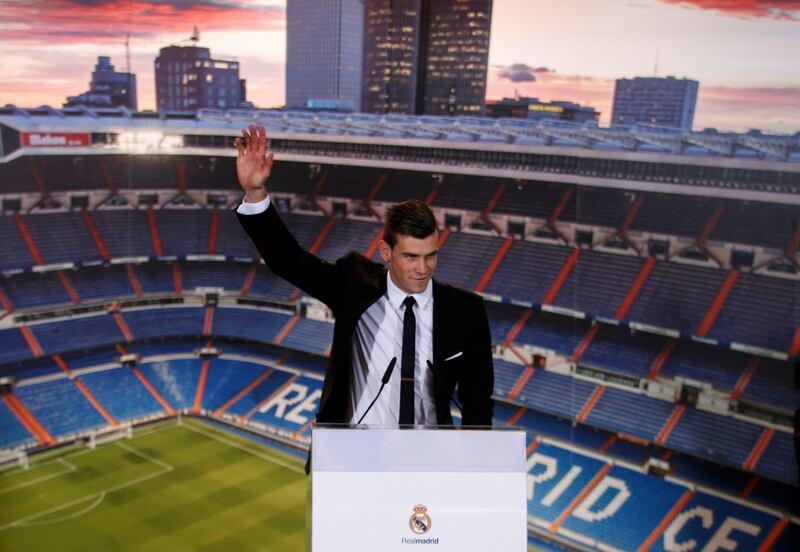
(68, 517)
(234, 444)
(98, 496)
(70, 468)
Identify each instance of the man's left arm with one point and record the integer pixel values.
(476, 387)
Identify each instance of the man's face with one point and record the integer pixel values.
(411, 261)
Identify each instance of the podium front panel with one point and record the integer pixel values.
(389, 489)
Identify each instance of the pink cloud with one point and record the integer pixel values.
(551, 86)
(772, 9)
(724, 107)
(52, 22)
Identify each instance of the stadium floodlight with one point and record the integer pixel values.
(148, 141)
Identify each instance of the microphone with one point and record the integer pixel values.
(449, 395)
(384, 380)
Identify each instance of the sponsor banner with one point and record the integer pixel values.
(56, 139)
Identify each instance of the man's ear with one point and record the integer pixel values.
(386, 251)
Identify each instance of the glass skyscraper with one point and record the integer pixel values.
(666, 102)
(426, 56)
(324, 53)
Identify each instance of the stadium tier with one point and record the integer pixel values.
(564, 463)
(643, 303)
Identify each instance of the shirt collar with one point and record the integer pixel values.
(397, 295)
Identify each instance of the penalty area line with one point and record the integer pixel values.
(98, 496)
(69, 468)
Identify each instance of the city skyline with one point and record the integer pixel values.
(573, 50)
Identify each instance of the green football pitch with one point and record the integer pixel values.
(169, 488)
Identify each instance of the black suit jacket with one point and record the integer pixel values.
(353, 283)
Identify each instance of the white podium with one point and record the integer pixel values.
(397, 489)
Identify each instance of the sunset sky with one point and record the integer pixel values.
(743, 52)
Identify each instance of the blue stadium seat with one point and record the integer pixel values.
(175, 380)
(60, 407)
(528, 270)
(62, 237)
(12, 432)
(121, 393)
(310, 335)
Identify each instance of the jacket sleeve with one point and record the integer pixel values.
(475, 390)
(287, 259)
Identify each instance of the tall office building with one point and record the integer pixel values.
(426, 56)
(667, 102)
(324, 53)
(392, 31)
(108, 88)
(187, 79)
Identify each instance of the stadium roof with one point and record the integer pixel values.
(520, 132)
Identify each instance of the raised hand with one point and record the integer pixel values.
(253, 165)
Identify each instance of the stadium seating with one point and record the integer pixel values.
(26, 291)
(699, 362)
(674, 215)
(465, 192)
(599, 283)
(403, 185)
(101, 282)
(310, 335)
(121, 392)
(253, 324)
(226, 378)
(14, 252)
(636, 415)
(260, 393)
(125, 232)
(348, 235)
(175, 380)
(676, 296)
(12, 432)
(619, 350)
(165, 322)
(765, 224)
(761, 311)
(228, 276)
(59, 406)
(555, 394)
(464, 258)
(718, 438)
(551, 331)
(530, 199)
(349, 182)
(528, 270)
(184, 231)
(57, 337)
(772, 383)
(156, 278)
(61, 237)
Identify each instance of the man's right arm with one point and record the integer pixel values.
(259, 218)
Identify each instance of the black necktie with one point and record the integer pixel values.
(407, 364)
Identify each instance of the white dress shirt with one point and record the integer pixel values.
(379, 338)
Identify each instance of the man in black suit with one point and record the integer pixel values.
(439, 334)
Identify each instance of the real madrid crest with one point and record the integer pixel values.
(420, 521)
